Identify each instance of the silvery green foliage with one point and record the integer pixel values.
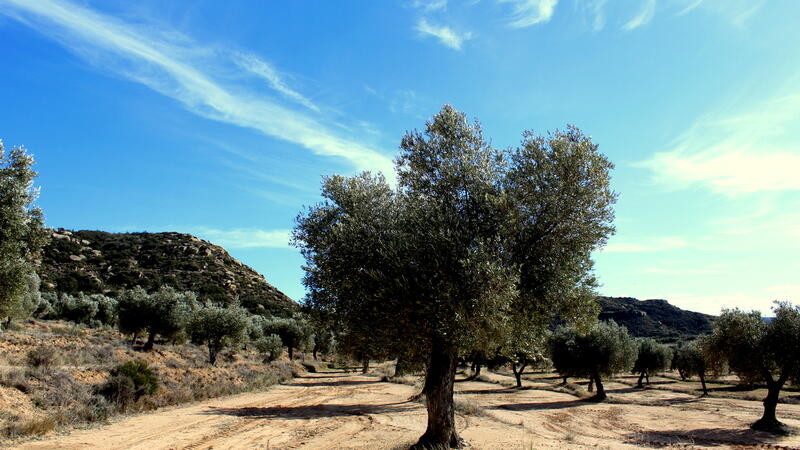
(218, 327)
(605, 350)
(295, 333)
(470, 237)
(165, 312)
(270, 346)
(652, 357)
(22, 232)
(78, 308)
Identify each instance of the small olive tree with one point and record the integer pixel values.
(756, 350)
(652, 357)
(294, 332)
(269, 346)
(218, 328)
(606, 350)
(691, 360)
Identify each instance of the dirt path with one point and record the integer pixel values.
(337, 410)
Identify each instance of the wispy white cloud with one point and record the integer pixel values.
(243, 238)
(257, 66)
(181, 69)
(446, 35)
(597, 8)
(689, 6)
(736, 153)
(430, 5)
(650, 245)
(643, 17)
(530, 12)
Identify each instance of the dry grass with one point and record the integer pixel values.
(54, 371)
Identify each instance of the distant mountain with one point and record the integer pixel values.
(654, 318)
(101, 262)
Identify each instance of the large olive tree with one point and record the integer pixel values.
(469, 239)
(759, 351)
(22, 233)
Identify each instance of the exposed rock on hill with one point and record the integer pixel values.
(654, 318)
(101, 262)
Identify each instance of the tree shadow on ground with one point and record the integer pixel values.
(655, 402)
(711, 437)
(312, 411)
(488, 391)
(333, 383)
(541, 406)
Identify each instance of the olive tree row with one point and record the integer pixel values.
(470, 238)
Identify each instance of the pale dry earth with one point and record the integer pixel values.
(338, 410)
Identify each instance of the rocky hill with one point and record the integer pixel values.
(654, 318)
(100, 262)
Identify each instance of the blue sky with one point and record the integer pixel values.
(218, 118)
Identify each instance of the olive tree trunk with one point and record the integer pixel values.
(703, 383)
(639, 383)
(441, 431)
(600, 395)
(213, 350)
(769, 421)
(518, 373)
(151, 338)
(365, 366)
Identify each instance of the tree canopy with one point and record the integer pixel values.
(604, 351)
(437, 264)
(652, 357)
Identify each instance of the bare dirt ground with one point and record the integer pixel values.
(338, 410)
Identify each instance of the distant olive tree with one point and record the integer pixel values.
(760, 351)
(22, 234)
(164, 312)
(75, 308)
(217, 328)
(691, 360)
(294, 332)
(469, 234)
(270, 346)
(606, 350)
(652, 357)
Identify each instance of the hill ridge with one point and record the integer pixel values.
(94, 261)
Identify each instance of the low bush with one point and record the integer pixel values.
(129, 382)
(44, 356)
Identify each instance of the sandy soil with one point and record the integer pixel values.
(337, 410)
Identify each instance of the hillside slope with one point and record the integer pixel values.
(654, 318)
(101, 262)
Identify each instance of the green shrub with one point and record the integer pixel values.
(129, 382)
